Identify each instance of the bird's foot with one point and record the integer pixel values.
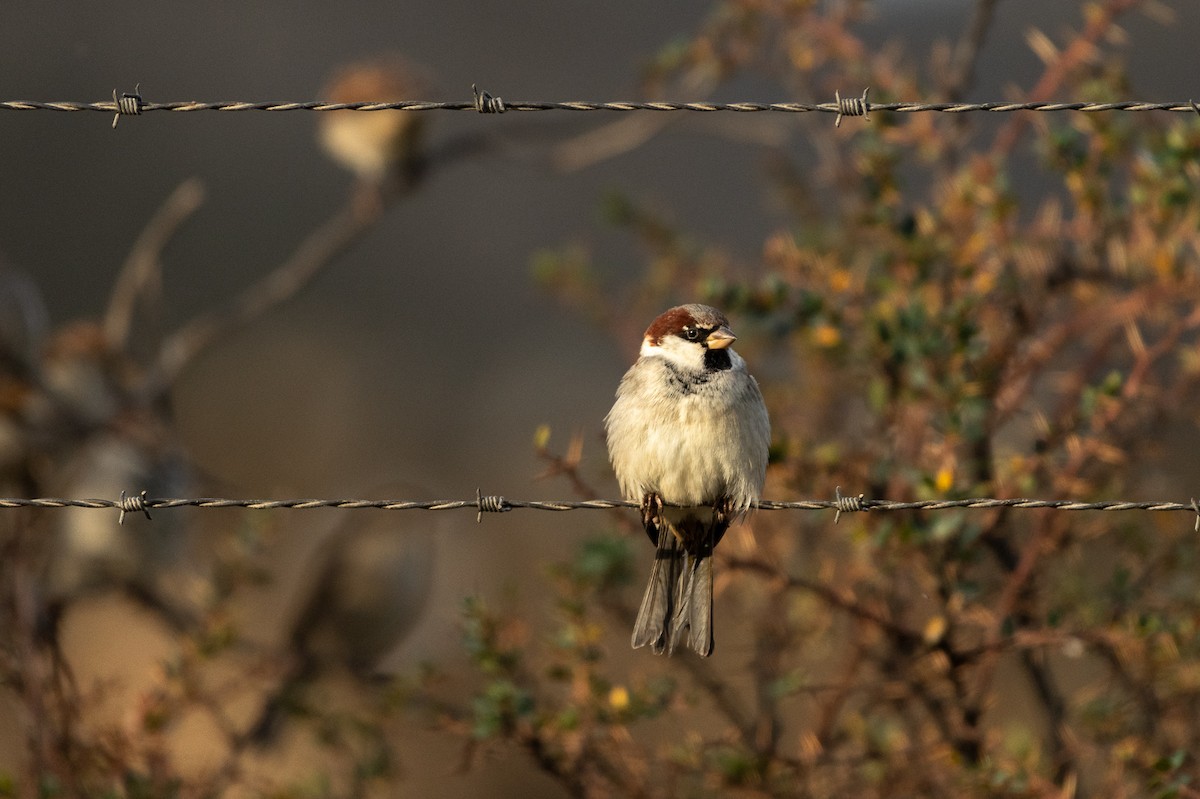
(722, 511)
(652, 508)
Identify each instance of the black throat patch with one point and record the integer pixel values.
(689, 381)
(717, 360)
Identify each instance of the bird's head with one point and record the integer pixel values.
(693, 337)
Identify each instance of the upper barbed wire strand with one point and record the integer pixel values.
(133, 104)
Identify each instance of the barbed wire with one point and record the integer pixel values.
(132, 104)
(484, 503)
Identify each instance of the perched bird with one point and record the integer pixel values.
(377, 146)
(97, 434)
(687, 437)
(91, 552)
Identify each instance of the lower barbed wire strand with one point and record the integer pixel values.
(483, 503)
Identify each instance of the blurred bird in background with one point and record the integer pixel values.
(91, 552)
(384, 149)
(369, 583)
(76, 421)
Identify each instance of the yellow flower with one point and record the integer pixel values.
(943, 480)
(618, 698)
(826, 335)
(935, 628)
(984, 282)
(840, 280)
(1164, 262)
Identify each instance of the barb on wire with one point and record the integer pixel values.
(491, 504)
(851, 107)
(132, 504)
(483, 102)
(850, 504)
(484, 503)
(486, 103)
(127, 105)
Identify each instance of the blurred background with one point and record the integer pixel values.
(426, 352)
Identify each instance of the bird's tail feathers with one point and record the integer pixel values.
(677, 606)
(658, 602)
(692, 620)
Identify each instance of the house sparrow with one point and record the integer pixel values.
(687, 437)
(377, 146)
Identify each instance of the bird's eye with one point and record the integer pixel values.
(691, 334)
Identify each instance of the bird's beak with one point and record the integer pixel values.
(720, 338)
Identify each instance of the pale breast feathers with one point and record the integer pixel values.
(703, 438)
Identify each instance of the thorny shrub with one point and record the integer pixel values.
(928, 325)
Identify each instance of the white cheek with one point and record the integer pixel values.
(684, 354)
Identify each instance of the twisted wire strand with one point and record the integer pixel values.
(486, 103)
(483, 503)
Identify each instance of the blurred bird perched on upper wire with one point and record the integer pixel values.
(365, 593)
(377, 146)
(689, 428)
